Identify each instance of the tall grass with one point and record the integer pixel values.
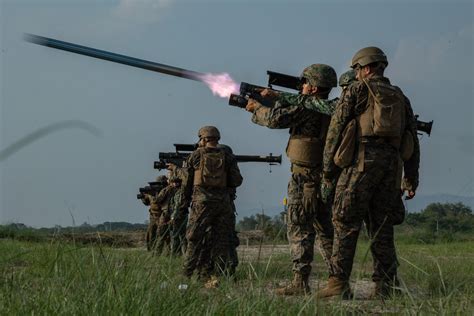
(63, 278)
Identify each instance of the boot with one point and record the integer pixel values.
(212, 283)
(335, 287)
(299, 286)
(386, 290)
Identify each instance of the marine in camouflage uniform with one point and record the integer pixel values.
(164, 202)
(179, 213)
(368, 190)
(235, 241)
(308, 217)
(212, 172)
(154, 217)
(322, 106)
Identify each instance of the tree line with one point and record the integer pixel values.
(438, 221)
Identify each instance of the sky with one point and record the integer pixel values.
(73, 176)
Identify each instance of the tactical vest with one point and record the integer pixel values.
(212, 169)
(385, 113)
(307, 150)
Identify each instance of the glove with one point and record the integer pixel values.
(269, 93)
(252, 105)
(409, 188)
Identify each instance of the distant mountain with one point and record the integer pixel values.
(421, 201)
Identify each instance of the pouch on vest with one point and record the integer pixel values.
(310, 197)
(407, 146)
(344, 156)
(211, 172)
(385, 115)
(305, 151)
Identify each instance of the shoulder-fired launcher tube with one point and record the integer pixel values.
(240, 158)
(186, 147)
(117, 58)
(269, 159)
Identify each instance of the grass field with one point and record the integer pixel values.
(58, 277)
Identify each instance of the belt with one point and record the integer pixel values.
(376, 140)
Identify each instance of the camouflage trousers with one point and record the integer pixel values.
(370, 196)
(178, 232)
(209, 241)
(235, 242)
(163, 240)
(151, 232)
(308, 219)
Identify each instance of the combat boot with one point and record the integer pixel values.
(299, 286)
(386, 290)
(212, 283)
(335, 287)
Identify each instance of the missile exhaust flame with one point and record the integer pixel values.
(221, 85)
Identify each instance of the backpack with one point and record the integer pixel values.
(212, 169)
(385, 114)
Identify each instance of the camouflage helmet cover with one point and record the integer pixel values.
(320, 75)
(367, 56)
(347, 78)
(162, 179)
(209, 131)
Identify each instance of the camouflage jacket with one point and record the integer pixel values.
(163, 199)
(309, 102)
(300, 120)
(353, 102)
(151, 201)
(200, 193)
(178, 203)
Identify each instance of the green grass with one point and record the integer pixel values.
(62, 278)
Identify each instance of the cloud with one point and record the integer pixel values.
(143, 11)
(448, 57)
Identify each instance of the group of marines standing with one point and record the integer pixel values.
(351, 160)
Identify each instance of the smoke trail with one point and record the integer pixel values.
(221, 85)
(44, 131)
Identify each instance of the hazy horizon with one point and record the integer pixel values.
(140, 113)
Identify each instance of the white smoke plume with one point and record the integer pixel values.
(221, 85)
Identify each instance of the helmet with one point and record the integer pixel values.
(368, 55)
(347, 78)
(320, 75)
(226, 148)
(162, 179)
(209, 131)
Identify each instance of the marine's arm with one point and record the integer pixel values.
(280, 116)
(343, 114)
(146, 200)
(411, 166)
(310, 102)
(189, 179)
(234, 178)
(177, 203)
(163, 194)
